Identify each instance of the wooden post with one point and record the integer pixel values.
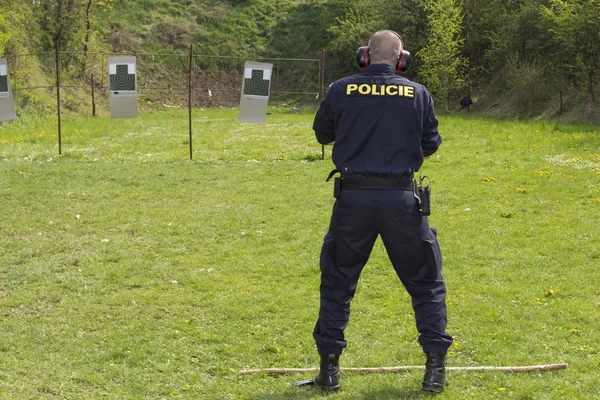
(93, 99)
(57, 58)
(190, 99)
(322, 91)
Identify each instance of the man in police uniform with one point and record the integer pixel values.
(382, 127)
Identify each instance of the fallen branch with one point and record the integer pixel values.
(526, 368)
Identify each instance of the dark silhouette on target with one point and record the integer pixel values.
(122, 80)
(3, 84)
(256, 86)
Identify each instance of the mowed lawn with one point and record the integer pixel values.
(129, 271)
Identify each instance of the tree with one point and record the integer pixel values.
(59, 19)
(349, 32)
(5, 33)
(575, 26)
(409, 19)
(443, 64)
(70, 24)
(487, 29)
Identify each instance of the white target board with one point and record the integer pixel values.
(256, 87)
(7, 104)
(122, 82)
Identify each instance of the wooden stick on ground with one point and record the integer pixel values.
(526, 368)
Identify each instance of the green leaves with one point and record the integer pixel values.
(443, 65)
(5, 34)
(575, 27)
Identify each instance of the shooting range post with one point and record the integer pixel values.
(7, 104)
(256, 87)
(122, 80)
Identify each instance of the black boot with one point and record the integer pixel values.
(329, 373)
(435, 373)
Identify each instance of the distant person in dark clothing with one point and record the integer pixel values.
(466, 102)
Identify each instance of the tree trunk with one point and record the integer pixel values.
(591, 85)
(560, 109)
(88, 32)
(58, 21)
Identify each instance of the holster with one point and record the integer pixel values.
(424, 193)
(337, 187)
(337, 182)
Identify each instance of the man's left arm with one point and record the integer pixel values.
(431, 139)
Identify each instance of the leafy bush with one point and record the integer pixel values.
(529, 92)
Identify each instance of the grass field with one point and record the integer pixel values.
(128, 271)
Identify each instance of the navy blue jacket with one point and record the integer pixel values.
(382, 124)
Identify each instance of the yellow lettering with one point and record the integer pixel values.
(391, 91)
(375, 92)
(372, 89)
(364, 89)
(351, 87)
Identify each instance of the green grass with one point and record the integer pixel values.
(129, 271)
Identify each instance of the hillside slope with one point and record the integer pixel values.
(507, 76)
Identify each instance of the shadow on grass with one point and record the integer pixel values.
(311, 157)
(382, 393)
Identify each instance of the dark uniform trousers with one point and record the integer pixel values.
(358, 217)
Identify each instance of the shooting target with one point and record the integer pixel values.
(122, 77)
(256, 82)
(254, 96)
(122, 82)
(7, 105)
(3, 80)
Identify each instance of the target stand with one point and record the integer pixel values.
(256, 87)
(122, 80)
(7, 104)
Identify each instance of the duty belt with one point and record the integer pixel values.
(376, 183)
(369, 183)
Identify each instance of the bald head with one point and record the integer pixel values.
(385, 47)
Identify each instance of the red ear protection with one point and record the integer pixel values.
(363, 57)
(403, 61)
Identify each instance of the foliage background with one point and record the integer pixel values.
(526, 58)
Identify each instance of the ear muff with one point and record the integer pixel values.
(403, 61)
(363, 57)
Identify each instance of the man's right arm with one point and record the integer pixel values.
(324, 123)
